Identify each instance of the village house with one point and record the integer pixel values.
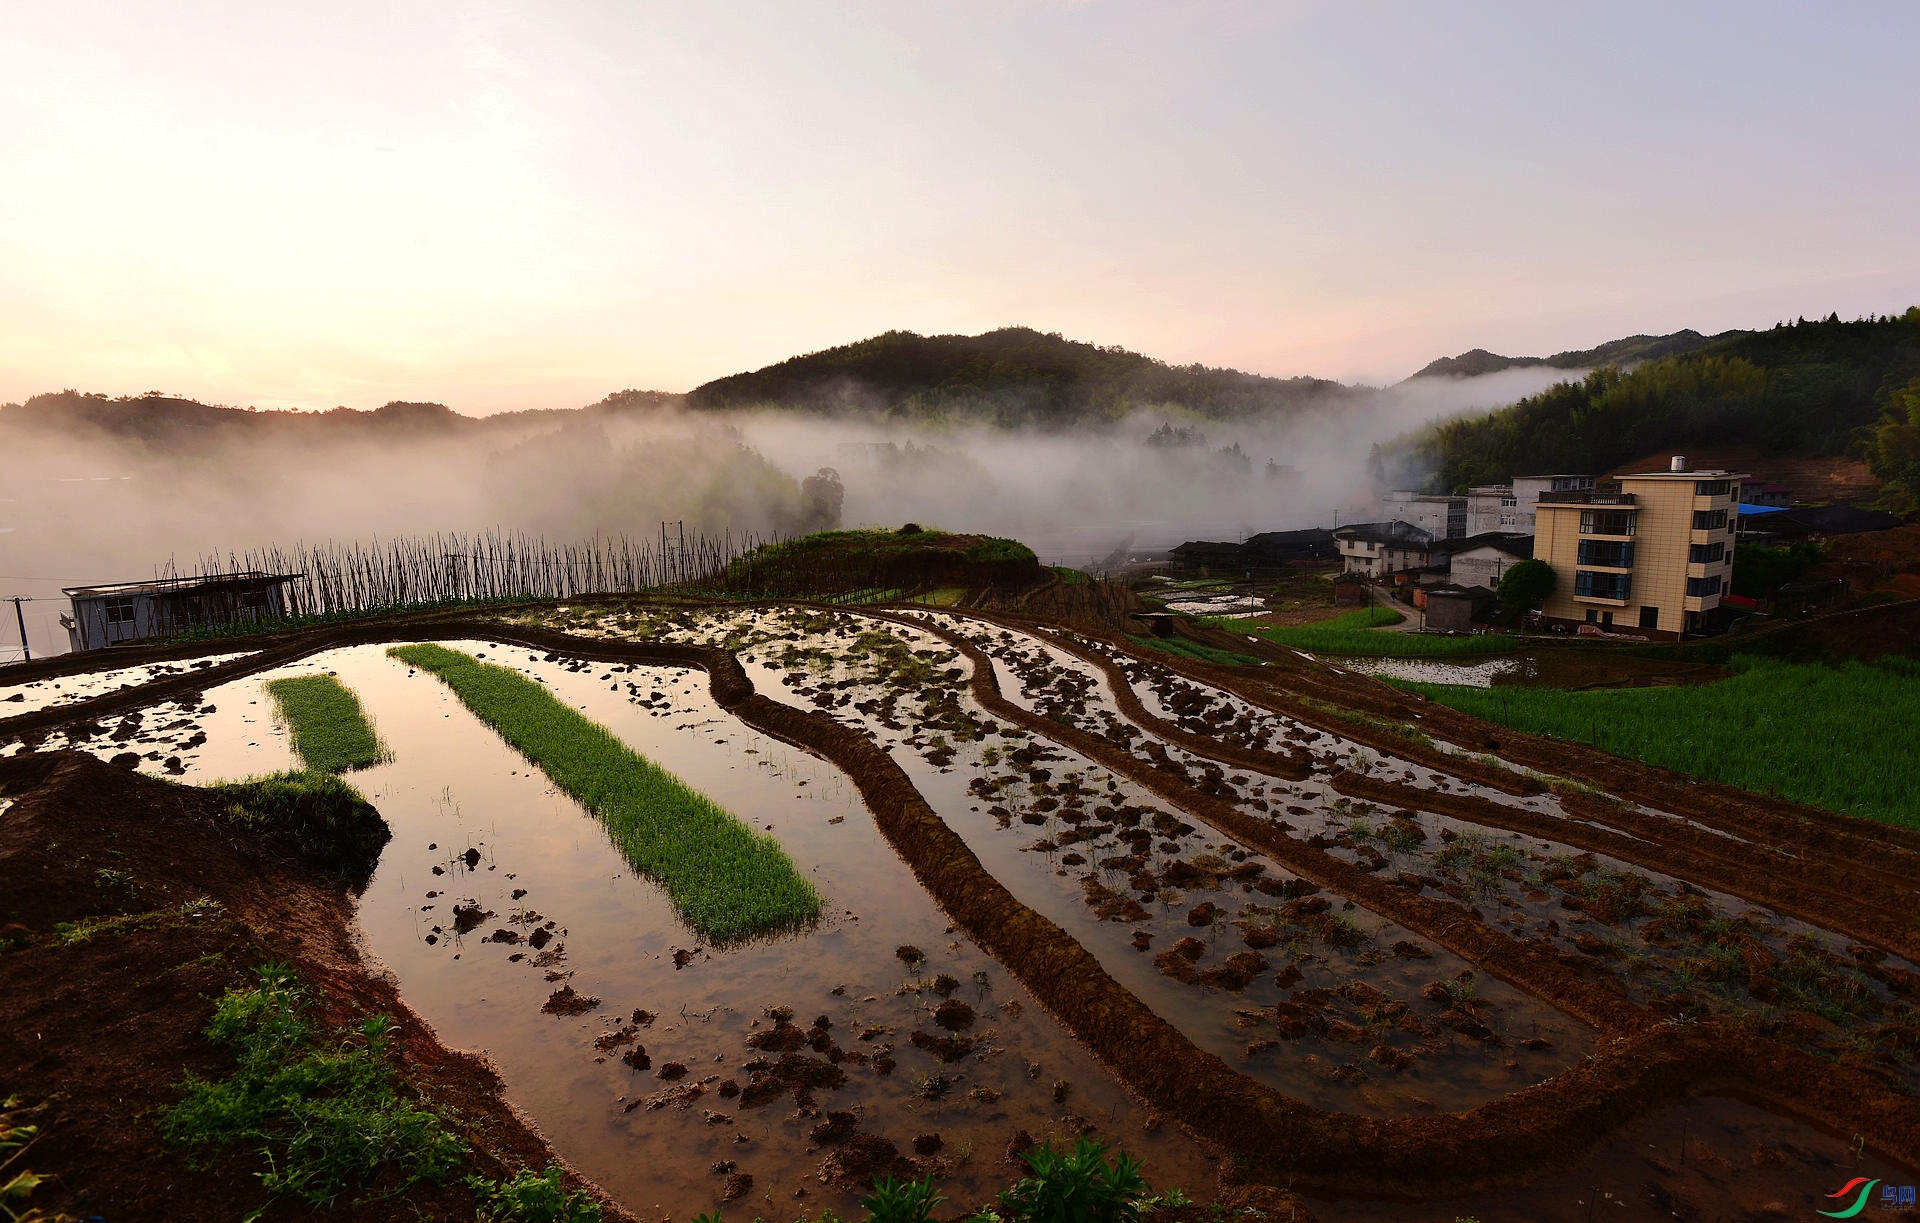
(1481, 560)
(1650, 552)
(1379, 548)
(139, 611)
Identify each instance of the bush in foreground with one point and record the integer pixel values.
(321, 818)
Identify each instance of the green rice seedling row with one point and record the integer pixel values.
(330, 730)
(726, 881)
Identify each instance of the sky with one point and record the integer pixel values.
(500, 206)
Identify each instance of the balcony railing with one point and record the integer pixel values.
(1586, 498)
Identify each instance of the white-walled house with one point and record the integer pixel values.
(1377, 548)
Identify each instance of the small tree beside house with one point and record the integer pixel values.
(1527, 585)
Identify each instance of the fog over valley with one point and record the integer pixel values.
(101, 490)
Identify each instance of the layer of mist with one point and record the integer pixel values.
(99, 490)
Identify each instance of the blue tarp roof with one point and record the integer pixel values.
(1763, 509)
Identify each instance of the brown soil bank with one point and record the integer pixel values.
(96, 1031)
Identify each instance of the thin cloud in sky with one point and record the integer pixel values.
(525, 205)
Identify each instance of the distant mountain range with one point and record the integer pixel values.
(1013, 376)
(1628, 351)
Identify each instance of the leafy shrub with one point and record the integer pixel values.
(320, 817)
(326, 1115)
(1077, 1187)
(532, 1197)
(901, 1202)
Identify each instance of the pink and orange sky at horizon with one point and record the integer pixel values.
(503, 205)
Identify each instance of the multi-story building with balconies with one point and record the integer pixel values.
(1649, 553)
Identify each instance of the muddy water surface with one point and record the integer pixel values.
(497, 891)
(1713, 1159)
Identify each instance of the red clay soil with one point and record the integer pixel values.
(1645, 1063)
(97, 1033)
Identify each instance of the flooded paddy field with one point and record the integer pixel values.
(696, 1074)
(1396, 939)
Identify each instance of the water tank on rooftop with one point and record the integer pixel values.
(1679, 463)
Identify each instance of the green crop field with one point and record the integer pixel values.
(726, 880)
(330, 731)
(1358, 634)
(1831, 737)
(1192, 649)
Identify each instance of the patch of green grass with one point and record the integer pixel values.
(330, 730)
(532, 1197)
(1183, 648)
(321, 1106)
(725, 880)
(323, 819)
(1403, 730)
(1070, 577)
(1356, 634)
(1823, 735)
(65, 933)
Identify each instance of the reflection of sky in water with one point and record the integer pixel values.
(1433, 671)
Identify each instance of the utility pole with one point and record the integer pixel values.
(26, 651)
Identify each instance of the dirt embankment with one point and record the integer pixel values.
(178, 907)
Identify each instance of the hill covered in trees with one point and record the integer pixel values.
(1630, 350)
(1013, 376)
(1804, 388)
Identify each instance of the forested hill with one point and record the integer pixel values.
(1631, 350)
(164, 423)
(1013, 376)
(1805, 388)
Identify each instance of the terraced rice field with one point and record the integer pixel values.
(1276, 915)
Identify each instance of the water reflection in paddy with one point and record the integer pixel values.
(540, 863)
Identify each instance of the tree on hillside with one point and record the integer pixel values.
(821, 496)
(1527, 585)
(1891, 447)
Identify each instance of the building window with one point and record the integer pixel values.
(253, 598)
(1602, 585)
(1649, 617)
(1510, 501)
(1701, 588)
(1709, 520)
(1710, 488)
(1606, 553)
(1607, 522)
(1706, 554)
(1593, 616)
(119, 611)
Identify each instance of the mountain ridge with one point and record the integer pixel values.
(1628, 350)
